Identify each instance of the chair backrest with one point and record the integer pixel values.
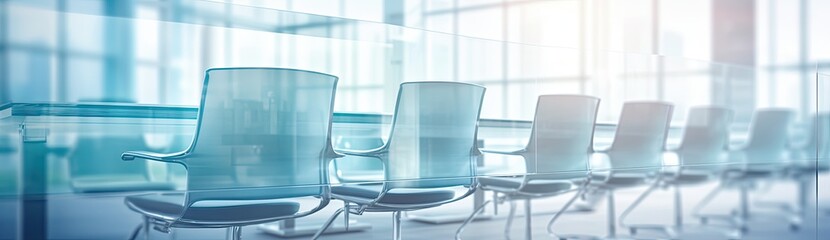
(818, 138)
(99, 156)
(262, 133)
(768, 135)
(706, 136)
(433, 135)
(561, 138)
(641, 135)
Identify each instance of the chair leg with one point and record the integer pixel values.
(146, 228)
(668, 229)
(744, 208)
(234, 233)
(706, 200)
(396, 225)
(637, 203)
(495, 203)
(137, 230)
(327, 224)
(564, 208)
(346, 215)
(528, 220)
(612, 222)
(678, 208)
(510, 215)
(737, 223)
(469, 219)
(803, 201)
(172, 234)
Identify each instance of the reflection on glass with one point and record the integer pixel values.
(95, 167)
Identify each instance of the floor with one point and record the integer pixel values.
(106, 217)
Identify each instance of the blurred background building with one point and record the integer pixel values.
(743, 53)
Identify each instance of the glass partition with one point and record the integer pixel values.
(96, 79)
(818, 182)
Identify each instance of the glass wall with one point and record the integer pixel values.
(155, 52)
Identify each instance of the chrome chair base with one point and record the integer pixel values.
(674, 232)
(794, 213)
(611, 221)
(232, 233)
(478, 199)
(309, 230)
(528, 214)
(590, 237)
(671, 232)
(738, 218)
(471, 218)
(446, 218)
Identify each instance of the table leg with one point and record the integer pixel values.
(33, 203)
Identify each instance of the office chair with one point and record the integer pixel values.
(811, 155)
(762, 158)
(806, 159)
(262, 137)
(702, 155)
(635, 155)
(811, 158)
(431, 151)
(556, 157)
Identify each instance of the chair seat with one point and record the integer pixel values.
(537, 186)
(750, 173)
(810, 168)
(394, 196)
(117, 183)
(170, 206)
(618, 180)
(687, 178)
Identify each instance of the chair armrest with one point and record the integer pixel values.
(514, 152)
(599, 162)
(162, 157)
(374, 154)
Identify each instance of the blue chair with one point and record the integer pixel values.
(635, 155)
(263, 137)
(702, 156)
(431, 151)
(556, 157)
(808, 159)
(762, 157)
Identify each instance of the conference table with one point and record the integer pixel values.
(33, 132)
